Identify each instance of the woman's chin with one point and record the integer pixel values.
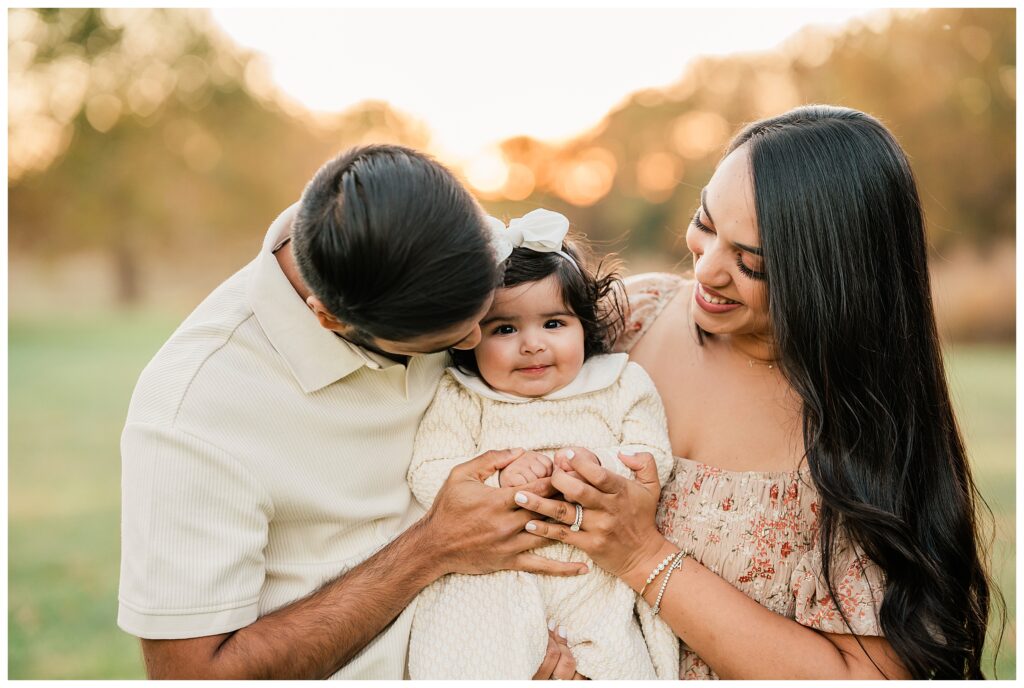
(714, 324)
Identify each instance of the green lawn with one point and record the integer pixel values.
(69, 385)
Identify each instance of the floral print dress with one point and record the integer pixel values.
(757, 530)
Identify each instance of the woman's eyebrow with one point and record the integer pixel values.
(704, 204)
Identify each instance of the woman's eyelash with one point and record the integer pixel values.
(700, 225)
(752, 274)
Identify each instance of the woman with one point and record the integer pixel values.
(805, 391)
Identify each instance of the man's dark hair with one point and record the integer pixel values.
(596, 298)
(392, 244)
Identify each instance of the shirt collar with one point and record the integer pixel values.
(317, 357)
(598, 372)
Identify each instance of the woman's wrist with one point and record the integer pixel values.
(636, 576)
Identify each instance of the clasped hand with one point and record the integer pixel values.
(479, 529)
(618, 530)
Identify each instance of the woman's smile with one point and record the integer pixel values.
(713, 302)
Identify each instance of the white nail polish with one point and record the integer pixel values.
(569, 453)
(629, 452)
(551, 625)
(562, 632)
(520, 498)
(531, 526)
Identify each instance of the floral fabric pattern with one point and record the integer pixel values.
(757, 530)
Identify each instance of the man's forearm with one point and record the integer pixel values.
(317, 635)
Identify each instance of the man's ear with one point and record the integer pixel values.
(326, 319)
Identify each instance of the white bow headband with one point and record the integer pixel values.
(539, 230)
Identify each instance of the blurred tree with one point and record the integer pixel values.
(942, 80)
(147, 133)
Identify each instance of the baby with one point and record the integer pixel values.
(541, 379)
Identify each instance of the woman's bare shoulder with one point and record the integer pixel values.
(649, 296)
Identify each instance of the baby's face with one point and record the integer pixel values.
(532, 343)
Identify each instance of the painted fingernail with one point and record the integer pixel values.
(520, 498)
(562, 632)
(629, 452)
(551, 625)
(531, 526)
(569, 453)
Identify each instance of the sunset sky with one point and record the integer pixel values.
(475, 77)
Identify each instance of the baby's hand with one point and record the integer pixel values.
(527, 468)
(563, 456)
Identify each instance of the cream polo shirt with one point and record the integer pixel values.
(263, 456)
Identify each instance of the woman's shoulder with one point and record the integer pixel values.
(647, 295)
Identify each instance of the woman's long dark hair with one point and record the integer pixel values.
(844, 247)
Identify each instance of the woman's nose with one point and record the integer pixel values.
(710, 264)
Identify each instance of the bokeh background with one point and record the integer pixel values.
(148, 150)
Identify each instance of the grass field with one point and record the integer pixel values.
(69, 386)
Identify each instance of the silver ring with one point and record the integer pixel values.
(575, 527)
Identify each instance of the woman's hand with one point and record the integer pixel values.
(618, 530)
(558, 663)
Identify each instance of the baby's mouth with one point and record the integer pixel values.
(533, 370)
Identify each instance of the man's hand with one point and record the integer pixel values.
(473, 528)
(528, 467)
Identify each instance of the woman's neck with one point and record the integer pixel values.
(752, 348)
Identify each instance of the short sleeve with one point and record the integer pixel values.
(859, 585)
(647, 295)
(194, 526)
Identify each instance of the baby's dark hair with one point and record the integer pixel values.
(596, 297)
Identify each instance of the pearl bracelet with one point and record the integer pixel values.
(676, 563)
(657, 569)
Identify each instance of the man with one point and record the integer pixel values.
(268, 531)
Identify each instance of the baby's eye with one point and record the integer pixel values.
(553, 324)
(504, 329)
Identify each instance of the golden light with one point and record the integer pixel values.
(487, 172)
(103, 111)
(257, 78)
(976, 41)
(698, 133)
(520, 182)
(975, 94)
(774, 92)
(657, 175)
(1008, 78)
(70, 82)
(35, 142)
(585, 180)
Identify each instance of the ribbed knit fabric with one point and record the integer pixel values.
(494, 626)
(263, 456)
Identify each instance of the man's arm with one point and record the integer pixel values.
(471, 528)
